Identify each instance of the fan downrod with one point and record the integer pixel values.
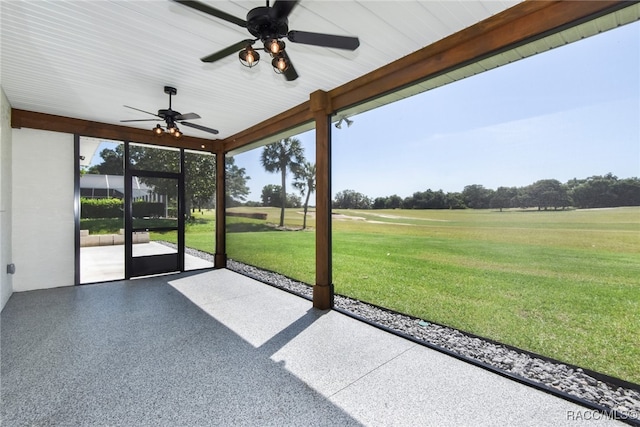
(169, 113)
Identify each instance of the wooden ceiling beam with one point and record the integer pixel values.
(514, 27)
(289, 119)
(33, 120)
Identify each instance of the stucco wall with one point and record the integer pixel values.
(42, 208)
(6, 286)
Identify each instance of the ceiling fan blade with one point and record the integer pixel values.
(188, 116)
(142, 111)
(199, 127)
(227, 51)
(141, 120)
(290, 73)
(282, 8)
(325, 40)
(213, 12)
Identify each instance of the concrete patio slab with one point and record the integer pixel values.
(106, 263)
(217, 348)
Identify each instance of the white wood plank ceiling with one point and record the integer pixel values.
(87, 59)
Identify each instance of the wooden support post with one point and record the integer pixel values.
(320, 106)
(220, 258)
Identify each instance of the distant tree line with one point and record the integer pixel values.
(593, 192)
(272, 196)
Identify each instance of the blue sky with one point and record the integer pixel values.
(572, 112)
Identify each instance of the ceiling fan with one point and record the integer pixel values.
(171, 117)
(270, 24)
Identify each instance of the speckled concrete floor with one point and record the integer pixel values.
(217, 348)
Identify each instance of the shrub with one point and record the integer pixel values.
(101, 208)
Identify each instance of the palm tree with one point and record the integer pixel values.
(305, 181)
(277, 157)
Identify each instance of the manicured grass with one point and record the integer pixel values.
(102, 225)
(260, 243)
(200, 231)
(564, 284)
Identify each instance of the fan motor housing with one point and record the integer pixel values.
(168, 113)
(261, 25)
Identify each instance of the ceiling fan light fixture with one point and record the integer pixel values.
(280, 64)
(269, 24)
(274, 46)
(170, 118)
(249, 57)
(171, 126)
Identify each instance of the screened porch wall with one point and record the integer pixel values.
(43, 197)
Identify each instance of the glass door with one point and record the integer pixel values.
(101, 216)
(154, 225)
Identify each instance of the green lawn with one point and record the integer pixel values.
(102, 225)
(199, 231)
(564, 284)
